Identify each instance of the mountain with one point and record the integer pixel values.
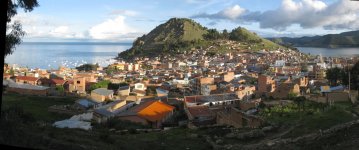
(179, 35)
(345, 39)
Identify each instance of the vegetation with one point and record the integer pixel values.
(341, 76)
(101, 84)
(36, 105)
(60, 88)
(14, 31)
(345, 39)
(313, 116)
(87, 67)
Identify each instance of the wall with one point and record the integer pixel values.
(28, 91)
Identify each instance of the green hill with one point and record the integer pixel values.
(178, 35)
(345, 39)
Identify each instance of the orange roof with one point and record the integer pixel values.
(155, 111)
(27, 78)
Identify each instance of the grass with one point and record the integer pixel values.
(37, 106)
(312, 119)
(29, 134)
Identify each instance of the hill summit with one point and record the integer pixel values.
(178, 35)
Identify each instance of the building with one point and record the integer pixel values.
(123, 91)
(266, 84)
(78, 85)
(238, 118)
(101, 94)
(153, 113)
(27, 89)
(211, 100)
(103, 113)
(27, 80)
(229, 76)
(85, 104)
(207, 88)
(140, 86)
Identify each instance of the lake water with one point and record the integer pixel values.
(330, 52)
(52, 55)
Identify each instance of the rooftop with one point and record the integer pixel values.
(103, 91)
(210, 98)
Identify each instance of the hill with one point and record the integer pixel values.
(179, 35)
(345, 39)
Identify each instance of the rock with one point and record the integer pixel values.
(193, 135)
(219, 141)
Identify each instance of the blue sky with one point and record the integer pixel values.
(123, 21)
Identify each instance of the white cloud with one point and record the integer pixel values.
(342, 14)
(231, 13)
(112, 29)
(41, 27)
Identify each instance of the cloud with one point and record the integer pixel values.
(342, 14)
(230, 13)
(112, 29)
(41, 27)
(124, 12)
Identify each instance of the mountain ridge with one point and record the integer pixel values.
(344, 39)
(179, 35)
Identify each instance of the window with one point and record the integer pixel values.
(78, 82)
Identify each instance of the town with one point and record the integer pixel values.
(241, 89)
(208, 90)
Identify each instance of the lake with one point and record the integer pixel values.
(46, 55)
(330, 52)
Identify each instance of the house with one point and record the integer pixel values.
(140, 86)
(139, 92)
(284, 89)
(245, 92)
(78, 85)
(123, 91)
(266, 84)
(238, 118)
(52, 82)
(103, 113)
(85, 104)
(207, 88)
(211, 100)
(27, 80)
(161, 92)
(101, 94)
(6, 76)
(152, 113)
(200, 115)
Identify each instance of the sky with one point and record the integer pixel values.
(123, 21)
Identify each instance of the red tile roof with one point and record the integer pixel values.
(58, 81)
(27, 78)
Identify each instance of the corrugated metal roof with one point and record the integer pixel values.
(103, 91)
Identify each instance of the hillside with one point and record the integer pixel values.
(178, 35)
(345, 39)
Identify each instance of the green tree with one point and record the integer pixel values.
(14, 31)
(87, 67)
(212, 34)
(300, 101)
(334, 75)
(354, 77)
(101, 84)
(225, 34)
(60, 89)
